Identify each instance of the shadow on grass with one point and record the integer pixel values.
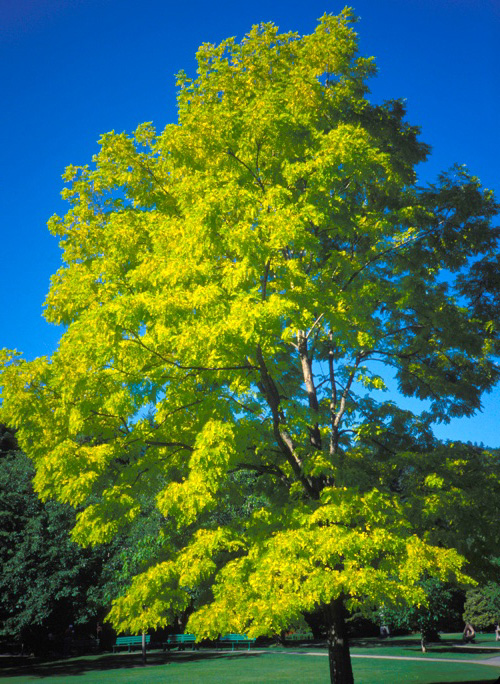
(389, 643)
(19, 666)
(400, 644)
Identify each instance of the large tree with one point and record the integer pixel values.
(230, 289)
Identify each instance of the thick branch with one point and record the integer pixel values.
(281, 435)
(261, 469)
(336, 416)
(345, 393)
(316, 322)
(307, 373)
(334, 435)
(265, 278)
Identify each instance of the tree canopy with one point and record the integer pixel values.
(235, 291)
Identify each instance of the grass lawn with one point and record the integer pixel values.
(307, 665)
(450, 646)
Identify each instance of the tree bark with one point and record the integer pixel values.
(423, 642)
(338, 646)
(306, 363)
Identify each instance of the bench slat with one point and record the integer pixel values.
(236, 640)
(131, 641)
(180, 639)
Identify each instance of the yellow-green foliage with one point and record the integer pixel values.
(231, 288)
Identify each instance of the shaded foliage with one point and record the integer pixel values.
(482, 606)
(442, 611)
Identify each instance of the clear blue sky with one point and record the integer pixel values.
(73, 69)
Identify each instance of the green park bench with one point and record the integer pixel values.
(235, 640)
(180, 640)
(130, 641)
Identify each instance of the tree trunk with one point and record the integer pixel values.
(423, 642)
(280, 639)
(338, 645)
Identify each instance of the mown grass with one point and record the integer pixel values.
(308, 665)
(450, 646)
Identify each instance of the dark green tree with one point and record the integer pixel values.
(482, 606)
(442, 611)
(46, 578)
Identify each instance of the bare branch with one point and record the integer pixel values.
(265, 278)
(314, 325)
(384, 252)
(261, 469)
(259, 181)
(281, 435)
(145, 167)
(175, 364)
(169, 444)
(179, 408)
(242, 405)
(345, 393)
(334, 435)
(307, 373)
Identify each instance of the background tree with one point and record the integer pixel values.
(482, 606)
(442, 611)
(230, 288)
(45, 576)
(48, 581)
